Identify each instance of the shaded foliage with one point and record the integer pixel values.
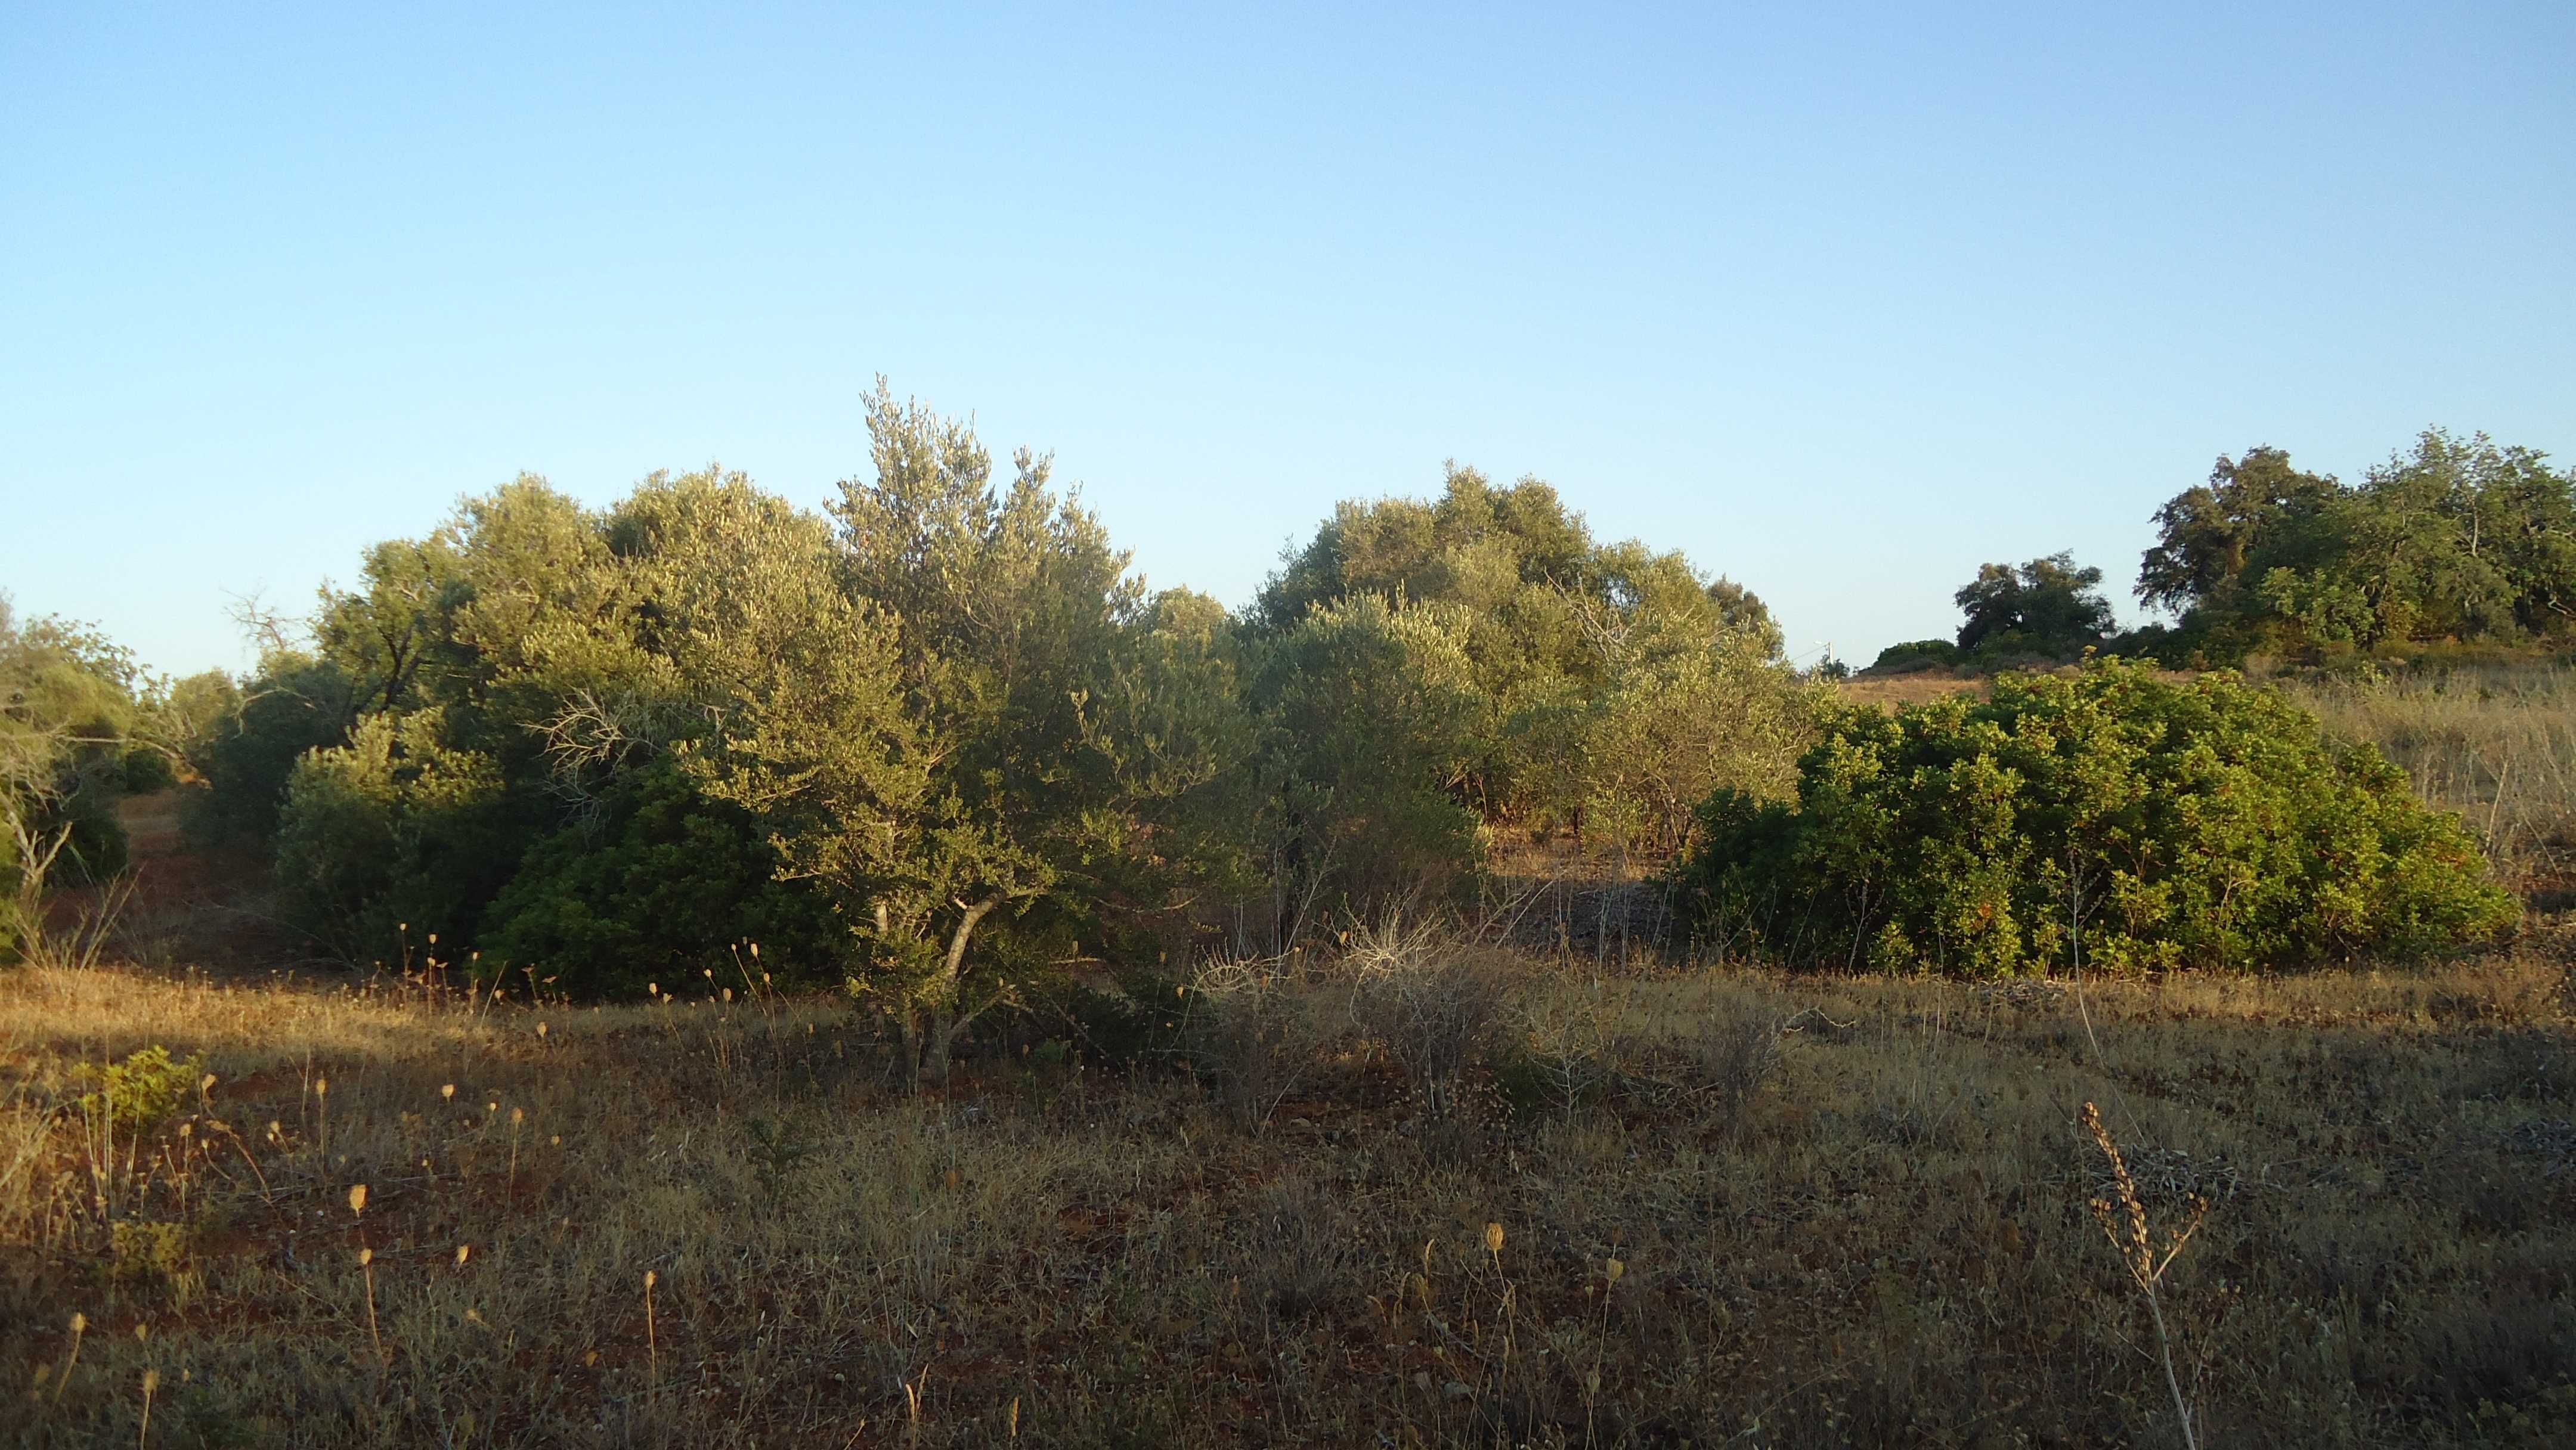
(242, 741)
(397, 826)
(1373, 724)
(661, 886)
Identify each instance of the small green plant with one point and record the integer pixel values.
(146, 1253)
(140, 1092)
(775, 1153)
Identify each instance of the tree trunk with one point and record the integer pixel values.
(930, 1027)
(935, 1045)
(911, 1048)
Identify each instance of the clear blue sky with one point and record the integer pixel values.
(1842, 301)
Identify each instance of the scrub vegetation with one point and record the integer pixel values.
(703, 970)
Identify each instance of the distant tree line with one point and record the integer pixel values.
(2458, 541)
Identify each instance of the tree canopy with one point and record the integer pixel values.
(2454, 539)
(938, 741)
(2050, 606)
(1583, 686)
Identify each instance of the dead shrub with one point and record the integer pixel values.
(1438, 1010)
(1255, 1032)
(1716, 1065)
(1303, 1249)
(1569, 1047)
(1731, 1059)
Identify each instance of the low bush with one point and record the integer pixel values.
(140, 1092)
(2110, 818)
(1916, 654)
(1255, 1035)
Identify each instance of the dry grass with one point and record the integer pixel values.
(1918, 687)
(2497, 743)
(1843, 1211)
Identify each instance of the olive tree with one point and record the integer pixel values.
(69, 717)
(948, 719)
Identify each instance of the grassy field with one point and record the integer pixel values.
(1429, 1194)
(1840, 1211)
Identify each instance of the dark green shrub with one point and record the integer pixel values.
(148, 769)
(1916, 654)
(665, 885)
(97, 850)
(394, 827)
(243, 745)
(2210, 824)
(2047, 609)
